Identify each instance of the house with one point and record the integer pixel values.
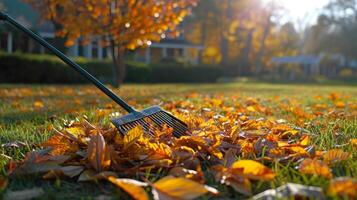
(11, 40)
(328, 65)
(308, 64)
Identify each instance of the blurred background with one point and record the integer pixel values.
(213, 41)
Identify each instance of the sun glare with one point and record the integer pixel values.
(301, 9)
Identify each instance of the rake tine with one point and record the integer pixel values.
(168, 122)
(159, 123)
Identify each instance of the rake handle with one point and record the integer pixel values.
(69, 62)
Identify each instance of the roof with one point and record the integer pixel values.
(176, 43)
(301, 59)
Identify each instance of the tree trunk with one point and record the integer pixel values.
(121, 66)
(203, 40)
(118, 71)
(261, 52)
(228, 16)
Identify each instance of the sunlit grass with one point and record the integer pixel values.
(21, 120)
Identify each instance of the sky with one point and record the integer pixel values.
(302, 11)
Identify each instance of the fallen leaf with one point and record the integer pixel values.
(171, 187)
(132, 187)
(67, 171)
(91, 175)
(315, 167)
(254, 170)
(354, 143)
(344, 187)
(98, 152)
(233, 178)
(132, 136)
(38, 104)
(335, 155)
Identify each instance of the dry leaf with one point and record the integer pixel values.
(132, 136)
(344, 187)
(335, 155)
(67, 171)
(233, 178)
(254, 170)
(98, 152)
(132, 187)
(91, 175)
(315, 167)
(171, 187)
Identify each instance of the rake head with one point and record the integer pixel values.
(153, 114)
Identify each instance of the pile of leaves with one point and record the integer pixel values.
(229, 145)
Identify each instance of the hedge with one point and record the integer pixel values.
(30, 68)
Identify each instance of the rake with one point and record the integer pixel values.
(143, 118)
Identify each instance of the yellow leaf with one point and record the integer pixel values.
(305, 141)
(171, 187)
(251, 109)
(130, 186)
(132, 136)
(98, 152)
(354, 142)
(254, 170)
(38, 104)
(76, 131)
(315, 167)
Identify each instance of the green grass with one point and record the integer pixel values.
(21, 121)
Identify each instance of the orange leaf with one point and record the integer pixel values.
(254, 170)
(171, 187)
(335, 155)
(315, 167)
(343, 187)
(354, 142)
(130, 186)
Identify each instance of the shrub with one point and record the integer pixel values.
(29, 68)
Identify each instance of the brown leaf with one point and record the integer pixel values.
(67, 171)
(90, 175)
(197, 176)
(233, 178)
(98, 152)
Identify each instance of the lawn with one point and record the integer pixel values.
(309, 119)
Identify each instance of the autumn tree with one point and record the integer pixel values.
(119, 24)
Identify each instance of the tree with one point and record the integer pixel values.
(119, 24)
